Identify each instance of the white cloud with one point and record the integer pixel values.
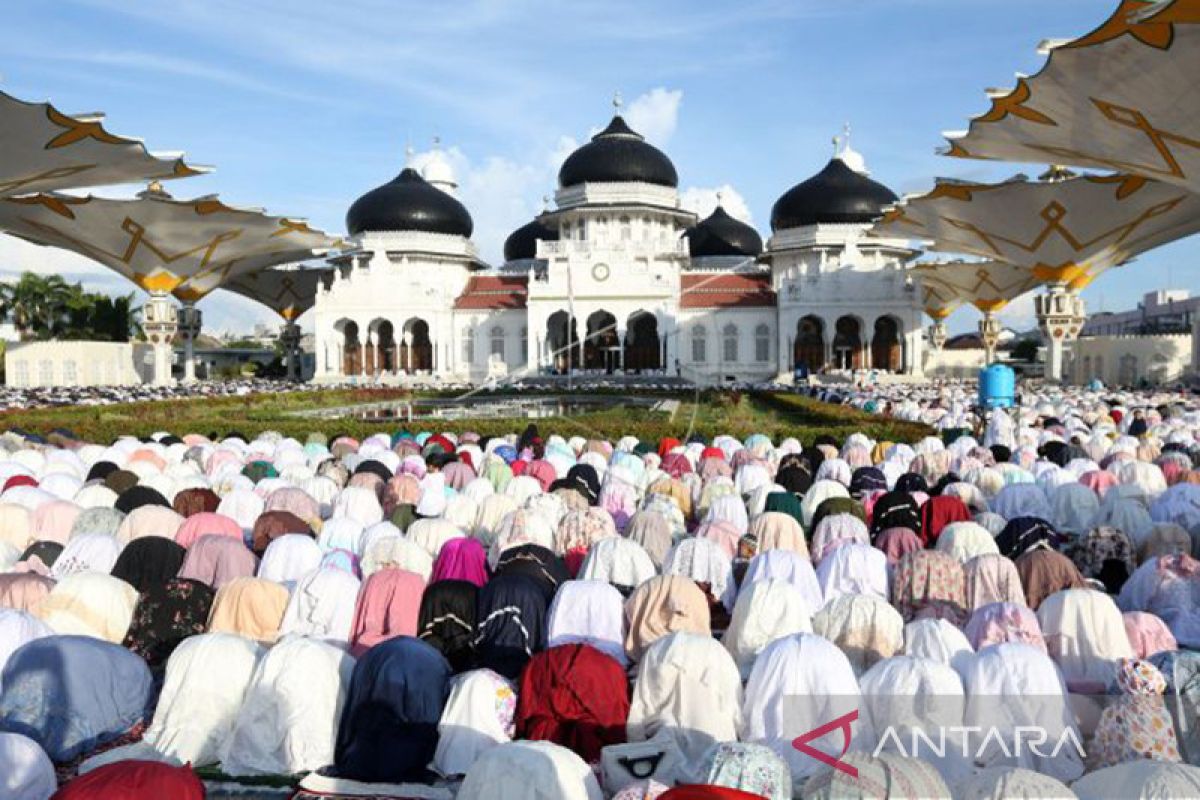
(655, 114)
(1019, 314)
(702, 201)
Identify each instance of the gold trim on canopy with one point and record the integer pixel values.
(1058, 230)
(186, 247)
(1121, 98)
(987, 285)
(287, 292)
(45, 150)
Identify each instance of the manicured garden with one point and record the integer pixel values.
(707, 413)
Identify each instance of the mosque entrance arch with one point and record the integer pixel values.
(809, 350)
(847, 343)
(416, 348)
(601, 348)
(563, 356)
(351, 347)
(886, 351)
(643, 348)
(382, 356)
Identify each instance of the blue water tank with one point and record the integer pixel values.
(997, 387)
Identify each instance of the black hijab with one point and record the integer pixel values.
(149, 562)
(447, 621)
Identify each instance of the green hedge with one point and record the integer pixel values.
(707, 413)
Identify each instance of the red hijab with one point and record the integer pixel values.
(701, 792)
(937, 513)
(575, 696)
(134, 780)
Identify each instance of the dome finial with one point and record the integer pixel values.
(617, 102)
(545, 203)
(408, 153)
(720, 197)
(847, 154)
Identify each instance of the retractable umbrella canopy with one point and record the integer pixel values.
(1125, 97)
(1062, 231)
(186, 247)
(987, 285)
(45, 150)
(287, 292)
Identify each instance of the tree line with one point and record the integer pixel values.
(47, 307)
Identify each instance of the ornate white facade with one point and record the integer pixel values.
(617, 277)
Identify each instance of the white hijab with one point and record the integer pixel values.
(768, 610)
(322, 606)
(207, 676)
(689, 687)
(854, 569)
(591, 612)
(473, 721)
(26, 772)
(288, 722)
(819, 685)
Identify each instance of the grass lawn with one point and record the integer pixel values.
(708, 413)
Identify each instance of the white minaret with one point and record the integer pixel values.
(437, 170)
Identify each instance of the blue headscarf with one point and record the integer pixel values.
(388, 731)
(71, 694)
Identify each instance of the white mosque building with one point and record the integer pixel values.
(617, 277)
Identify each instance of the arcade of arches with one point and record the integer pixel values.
(848, 349)
(383, 351)
(605, 347)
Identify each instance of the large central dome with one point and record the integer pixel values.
(408, 203)
(618, 154)
(836, 194)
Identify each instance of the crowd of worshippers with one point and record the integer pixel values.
(544, 616)
(13, 397)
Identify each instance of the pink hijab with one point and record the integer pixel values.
(216, 560)
(896, 543)
(389, 604)
(997, 623)
(461, 559)
(52, 521)
(205, 523)
(1099, 481)
(1148, 634)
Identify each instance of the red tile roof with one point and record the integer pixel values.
(729, 290)
(493, 292)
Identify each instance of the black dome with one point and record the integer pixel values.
(522, 243)
(408, 203)
(836, 194)
(616, 155)
(721, 235)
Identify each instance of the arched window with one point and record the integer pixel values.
(626, 229)
(498, 342)
(468, 345)
(523, 356)
(22, 373)
(762, 343)
(45, 372)
(699, 344)
(729, 339)
(70, 372)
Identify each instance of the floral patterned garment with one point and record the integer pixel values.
(929, 583)
(165, 616)
(1137, 725)
(752, 768)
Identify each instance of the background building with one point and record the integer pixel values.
(618, 278)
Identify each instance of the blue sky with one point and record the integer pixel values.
(302, 105)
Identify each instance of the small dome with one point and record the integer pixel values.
(408, 203)
(521, 244)
(719, 234)
(618, 155)
(836, 194)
